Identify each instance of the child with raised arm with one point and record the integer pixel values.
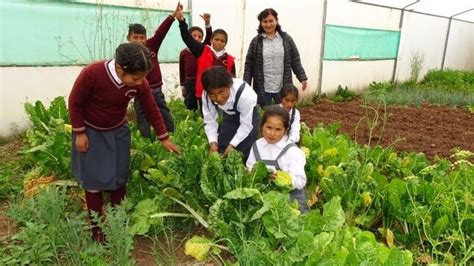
(237, 102)
(137, 34)
(279, 153)
(188, 65)
(101, 136)
(289, 98)
(207, 56)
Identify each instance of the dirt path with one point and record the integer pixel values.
(433, 130)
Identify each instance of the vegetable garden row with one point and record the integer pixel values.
(369, 205)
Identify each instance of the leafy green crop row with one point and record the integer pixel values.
(369, 205)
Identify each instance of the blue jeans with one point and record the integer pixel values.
(271, 99)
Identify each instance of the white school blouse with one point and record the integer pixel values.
(245, 106)
(293, 161)
(295, 128)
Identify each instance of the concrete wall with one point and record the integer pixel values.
(28, 84)
(424, 36)
(460, 52)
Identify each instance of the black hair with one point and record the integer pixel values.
(289, 89)
(265, 13)
(196, 28)
(276, 110)
(133, 58)
(221, 32)
(136, 28)
(216, 77)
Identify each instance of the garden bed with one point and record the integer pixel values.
(382, 181)
(433, 130)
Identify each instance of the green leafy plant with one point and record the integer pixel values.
(49, 141)
(116, 227)
(343, 94)
(449, 80)
(416, 64)
(51, 230)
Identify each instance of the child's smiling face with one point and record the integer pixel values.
(137, 38)
(219, 95)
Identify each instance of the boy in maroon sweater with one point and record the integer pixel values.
(188, 64)
(101, 137)
(137, 34)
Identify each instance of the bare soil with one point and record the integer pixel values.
(433, 130)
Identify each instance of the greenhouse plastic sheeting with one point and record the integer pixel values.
(55, 33)
(348, 43)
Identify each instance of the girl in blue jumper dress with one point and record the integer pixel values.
(237, 103)
(279, 153)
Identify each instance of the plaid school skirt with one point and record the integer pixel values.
(106, 165)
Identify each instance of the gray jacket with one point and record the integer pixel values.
(254, 64)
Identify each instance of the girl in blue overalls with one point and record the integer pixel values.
(237, 102)
(279, 153)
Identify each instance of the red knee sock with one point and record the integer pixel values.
(116, 196)
(95, 203)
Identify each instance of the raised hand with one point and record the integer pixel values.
(178, 8)
(206, 17)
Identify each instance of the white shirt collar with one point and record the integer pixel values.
(264, 35)
(113, 72)
(280, 144)
(218, 53)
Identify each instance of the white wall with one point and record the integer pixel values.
(22, 84)
(460, 52)
(423, 35)
(29, 84)
(301, 19)
(344, 13)
(356, 75)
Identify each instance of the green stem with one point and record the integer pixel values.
(170, 214)
(192, 211)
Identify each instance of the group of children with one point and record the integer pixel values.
(101, 93)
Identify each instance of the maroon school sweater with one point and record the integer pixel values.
(98, 101)
(187, 66)
(154, 77)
